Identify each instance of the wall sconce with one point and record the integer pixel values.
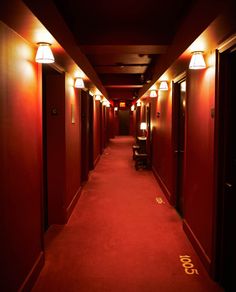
(79, 82)
(44, 54)
(153, 93)
(143, 127)
(197, 61)
(98, 97)
(163, 85)
(138, 103)
(106, 103)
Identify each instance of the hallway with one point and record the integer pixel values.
(122, 236)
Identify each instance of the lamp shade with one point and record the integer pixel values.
(143, 126)
(44, 54)
(163, 85)
(79, 83)
(197, 61)
(98, 97)
(153, 93)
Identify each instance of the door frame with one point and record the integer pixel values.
(175, 140)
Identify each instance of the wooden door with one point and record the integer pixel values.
(179, 109)
(84, 136)
(226, 171)
(124, 121)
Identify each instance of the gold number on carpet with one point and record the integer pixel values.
(187, 265)
(159, 200)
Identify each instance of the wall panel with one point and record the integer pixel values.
(20, 160)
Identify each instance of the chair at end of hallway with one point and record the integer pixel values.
(141, 160)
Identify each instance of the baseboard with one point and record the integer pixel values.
(163, 186)
(96, 160)
(73, 202)
(197, 246)
(33, 274)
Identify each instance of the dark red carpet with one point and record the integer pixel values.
(120, 237)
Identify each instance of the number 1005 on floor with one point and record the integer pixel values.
(188, 265)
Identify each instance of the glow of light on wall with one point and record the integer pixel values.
(70, 87)
(132, 107)
(78, 73)
(211, 59)
(200, 44)
(25, 65)
(43, 34)
(183, 86)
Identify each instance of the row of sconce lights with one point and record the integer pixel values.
(44, 55)
(197, 62)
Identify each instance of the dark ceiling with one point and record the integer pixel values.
(123, 39)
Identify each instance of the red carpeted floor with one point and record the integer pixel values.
(120, 238)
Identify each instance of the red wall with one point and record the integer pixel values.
(198, 190)
(198, 186)
(131, 123)
(162, 161)
(20, 160)
(116, 123)
(73, 145)
(111, 123)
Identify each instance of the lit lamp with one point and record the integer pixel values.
(153, 93)
(197, 61)
(143, 127)
(98, 97)
(79, 82)
(138, 103)
(104, 102)
(163, 85)
(116, 108)
(44, 54)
